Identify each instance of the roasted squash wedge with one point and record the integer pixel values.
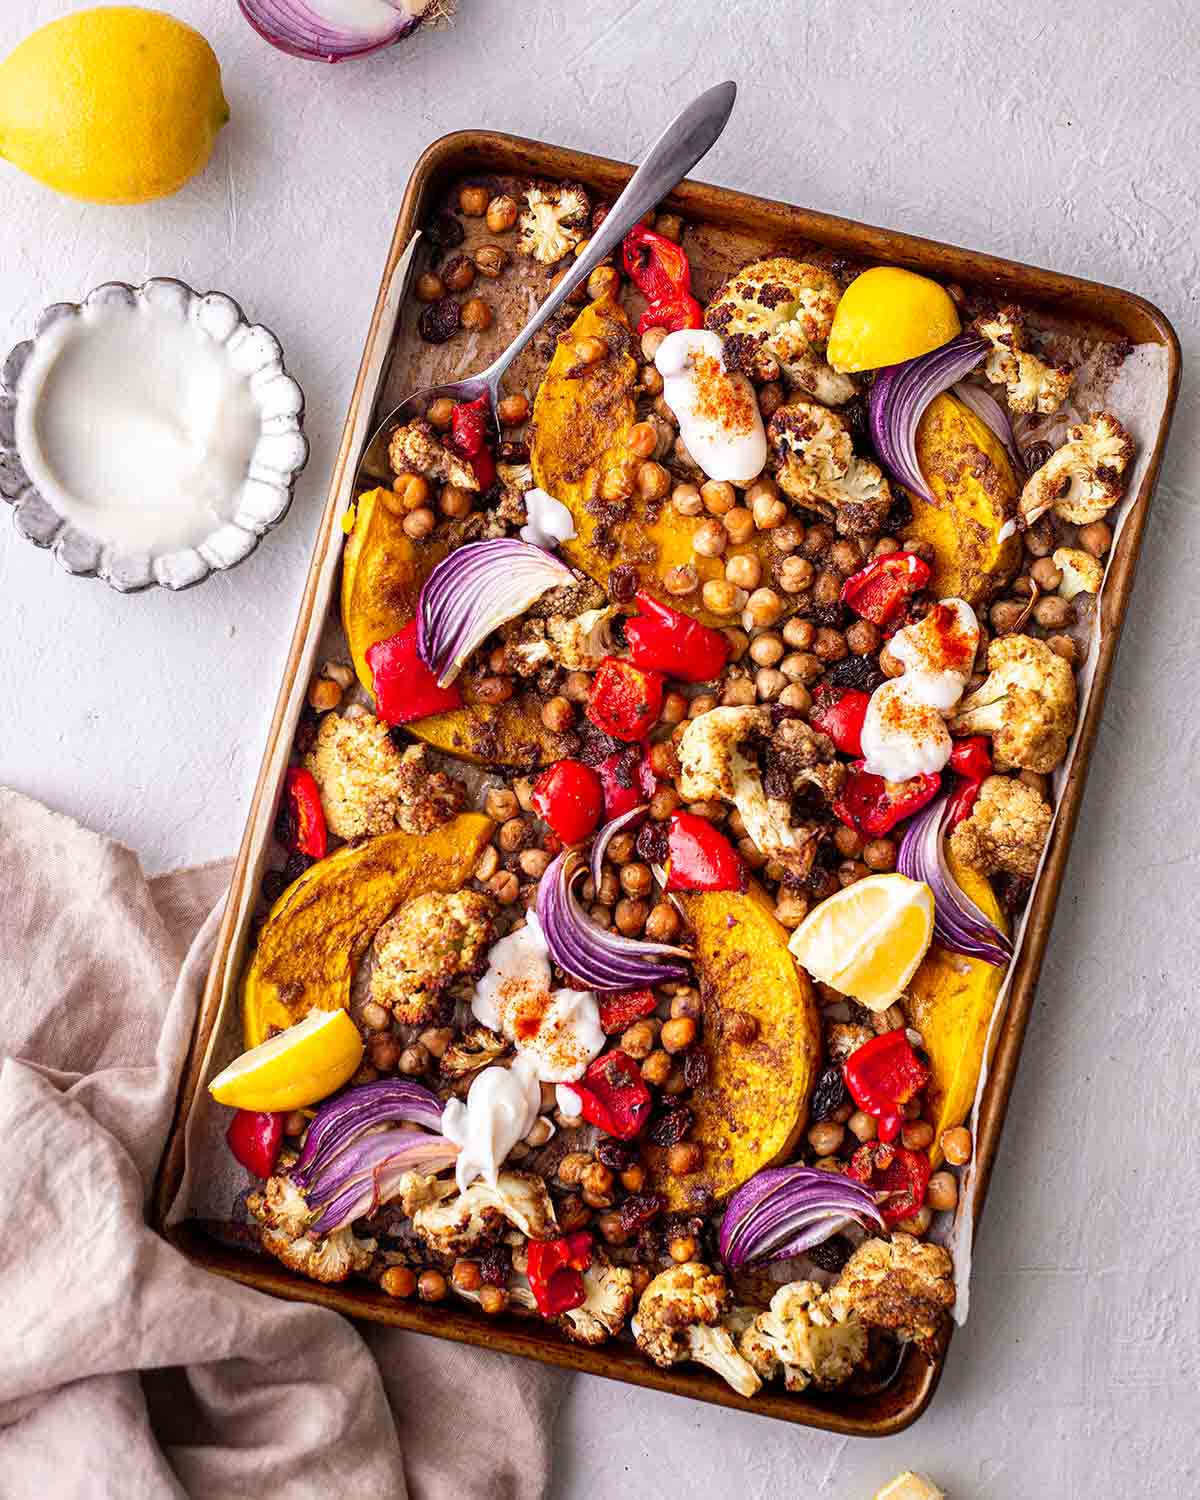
(975, 494)
(753, 1106)
(581, 420)
(382, 574)
(950, 1002)
(322, 925)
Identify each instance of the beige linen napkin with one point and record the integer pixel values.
(124, 1370)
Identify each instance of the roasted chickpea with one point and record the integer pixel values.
(744, 571)
(917, 1135)
(828, 587)
(800, 634)
(769, 683)
(851, 870)
(880, 854)
(642, 439)
(653, 481)
(739, 692)
(455, 502)
(830, 644)
(670, 226)
(680, 580)
(662, 925)
(1045, 573)
(466, 1276)
(490, 260)
(765, 650)
(701, 704)
(845, 556)
(1054, 613)
(795, 574)
(770, 399)
(662, 758)
(512, 411)
(889, 665)
(719, 496)
(656, 1068)
(419, 523)
(683, 1248)
(687, 500)
(501, 213)
(577, 687)
(441, 413)
(1004, 615)
(398, 1281)
(826, 1138)
(505, 886)
(768, 513)
(635, 878)
(1096, 537)
(500, 804)
(412, 492)
(651, 340)
(796, 696)
(324, 693)
(942, 1192)
(801, 666)
(590, 350)
(722, 597)
(630, 916)
(862, 637)
(415, 1060)
(638, 1041)
(459, 273)
(791, 909)
(473, 201)
(739, 523)
(633, 1179)
(476, 314)
(678, 1033)
(863, 1127)
(1064, 646)
(603, 284)
(682, 1159)
(430, 287)
(957, 1146)
(431, 1286)
(596, 1181)
(558, 714)
(788, 537)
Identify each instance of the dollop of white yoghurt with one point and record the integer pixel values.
(901, 736)
(938, 653)
(547, 521)
(717, 411)
(501, 1109)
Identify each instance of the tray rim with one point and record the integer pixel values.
(452, 153)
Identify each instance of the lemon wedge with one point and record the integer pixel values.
(299, 1066)
(888, 315)
(867, 940)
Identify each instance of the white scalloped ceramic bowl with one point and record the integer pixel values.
(265, 494)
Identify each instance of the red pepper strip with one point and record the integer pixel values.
(623, 1009)
(570, 797)
(614, 1095)
(556, 1270)
(839, 713)
(627, 781)
(625, 700)
(659, 268)
(469, 430)
(872, 806)
(700, 857)
(255, 1139)
(305, 818)
(972, 760)
(880, 591)
(662, 638)
(895, 1170)
(404, 686)
(883, 1075)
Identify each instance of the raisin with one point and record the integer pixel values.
(296, 865)
(695, 1067)
(639, 1210)
(513, 453)
(446, 232)
(1036, 455)
(306, 731)
(622, 583)
(900, 514)
(777, 784)
(854, 414)
(652, 842)
(861, 672)
(273, 886)
(596, 746)
(440, 321)
(670, 1129)
(830, 1093)
(618, 1156)
(1013, 892)
(495, 1265)
(831, 1254)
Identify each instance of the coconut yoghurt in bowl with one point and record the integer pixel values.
(149, 435)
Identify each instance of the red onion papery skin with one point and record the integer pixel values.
(293, 27)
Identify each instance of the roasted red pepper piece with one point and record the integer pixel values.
(700, 857)
(663, 639)
(470, 429)
(972, 760)
(883, 1075)
(621, 1010)
(255, 1139)
(404, 686)
(872, 806)
(660, 270)
(895, 1170)
(614, 1095)
(627, 780)
(880, 591)
(570, 797)
(305, 816)
(839, 713)
(555, 1272)
(625, 699)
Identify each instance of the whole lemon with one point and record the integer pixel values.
(115, 105)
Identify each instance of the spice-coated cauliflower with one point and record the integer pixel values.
(608, 1297)
(577, 644)
(1027, 704)
(357, 769)
(818, 469)
(714, 764)
(457, 1225)
(283, 1217)
(1082, 480)
(1030, 383)
(553, 221)
(1081, 572)
(427, 944)
(1006, 830)
(679, 1318)
(904, 1284)
(416, 449)
(803, 1337)
(427, 798)
(780, 310)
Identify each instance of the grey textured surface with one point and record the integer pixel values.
(1067, 136)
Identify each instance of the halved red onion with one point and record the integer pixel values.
(334, 30)
(899, 396)
(474, 591)
(992, 415)
(783, 1211)
(371, 1171)
(340, 1121)
(958, 924)
(596, 958)
(601, 841)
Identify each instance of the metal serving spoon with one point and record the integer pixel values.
(688, 137)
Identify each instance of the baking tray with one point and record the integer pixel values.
(729, 227)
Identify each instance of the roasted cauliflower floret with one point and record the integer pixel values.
(1082, 480)
(553, 221)
(714, 762)
(577, 644)
(416, 448)
(1027, 704)
(904, 1285)
(1030, 383)
(608, 1297)
(780, 310)
(357, 770)
(818, 469)
(803, 1337)
(283, 1216)
(679, 1318)
(1081, 572)
(457, 1225)
(427, 798)
(1006, 830)
(427, 944)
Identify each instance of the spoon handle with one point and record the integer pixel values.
(686, 139)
